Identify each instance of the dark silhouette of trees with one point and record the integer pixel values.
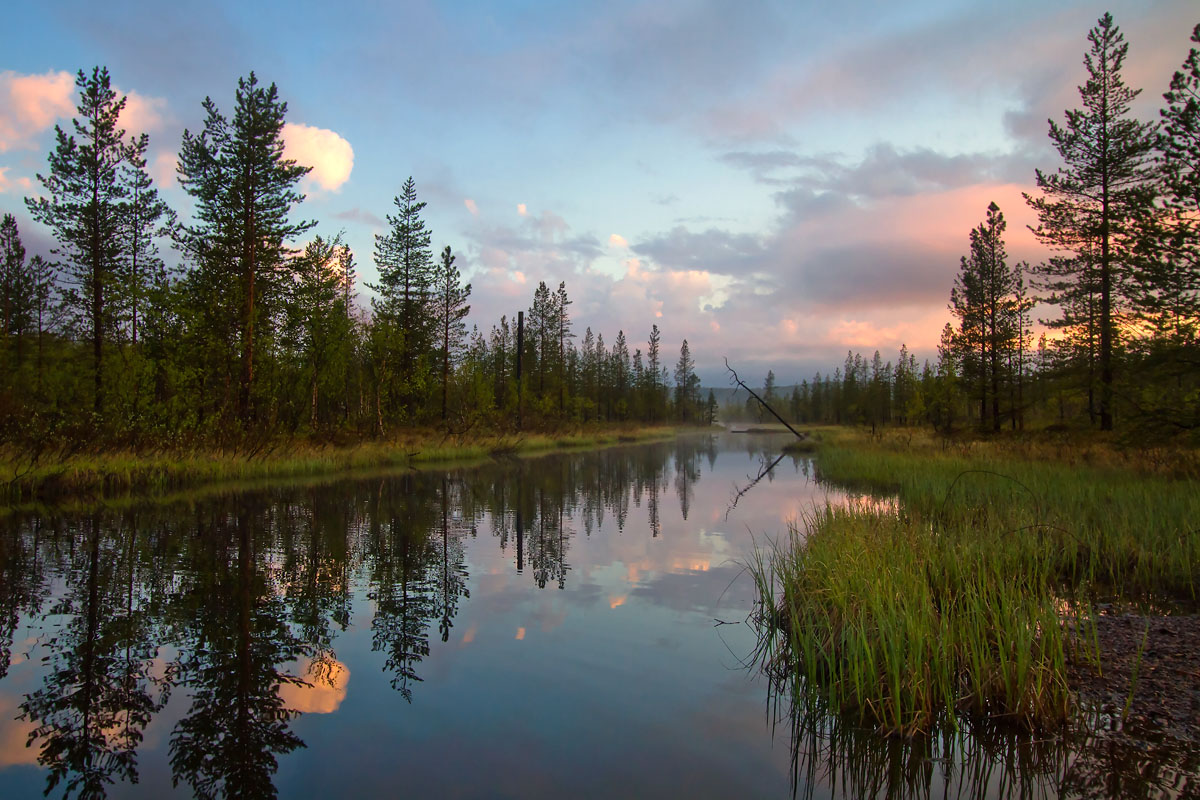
(1090, 205)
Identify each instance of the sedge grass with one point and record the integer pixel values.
(951, 603)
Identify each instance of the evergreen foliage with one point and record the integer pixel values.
(1091, 205)
(244, 191)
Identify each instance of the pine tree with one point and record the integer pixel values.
(15, 294)
(83, 210)
(984, 300)
(146, 218)
(562, 325)
(451, 298)
(244, 192)
(1090, 206)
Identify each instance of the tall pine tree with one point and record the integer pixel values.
(1090, 206)
(84, 209)
(244, 191)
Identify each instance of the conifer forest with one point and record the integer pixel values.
(637, 399)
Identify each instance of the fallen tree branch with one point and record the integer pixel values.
(762, 402)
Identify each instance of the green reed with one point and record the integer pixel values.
(952, 602)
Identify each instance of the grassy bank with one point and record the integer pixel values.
(976, 594)
(57, 477)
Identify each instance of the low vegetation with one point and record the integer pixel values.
(973, 591)
(60, 476)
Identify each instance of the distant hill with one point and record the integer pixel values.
(724, 394)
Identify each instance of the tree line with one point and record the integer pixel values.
(1121, 214)
(250, 333)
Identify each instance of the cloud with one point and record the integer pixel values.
(330, 156)
(30, 104)
(163, 168)
(143, 114)
(470, 204)
(549, 226)
(7, 184)
(617, 240)
(712, 250)
(521, 210)
(762, 164)
(359, 215)
(883, 171)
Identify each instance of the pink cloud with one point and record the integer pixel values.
(143, 114)
(470, 204)
(163, 167)
(30, 104)
(330, 156)
(7, 184)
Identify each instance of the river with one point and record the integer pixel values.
(570, 625)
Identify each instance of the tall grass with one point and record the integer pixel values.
(954, 604)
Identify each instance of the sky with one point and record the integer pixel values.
(776, 182)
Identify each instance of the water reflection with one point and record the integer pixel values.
(562, 605)
(237, 604)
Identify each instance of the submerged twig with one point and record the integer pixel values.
(754, 482)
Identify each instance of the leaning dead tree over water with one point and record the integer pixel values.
(739, 382)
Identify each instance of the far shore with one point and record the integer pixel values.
(55, 478)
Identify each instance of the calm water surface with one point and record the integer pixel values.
(566, 626)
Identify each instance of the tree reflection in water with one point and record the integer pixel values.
(98, 693)
(215, 608)
(231, 628)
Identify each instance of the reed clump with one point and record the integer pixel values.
(951, 603)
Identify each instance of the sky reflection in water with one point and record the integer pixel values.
(531, 627)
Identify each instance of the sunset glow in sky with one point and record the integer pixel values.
(776, 182)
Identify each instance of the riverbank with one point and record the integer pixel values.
(977, 590)
(56, 477)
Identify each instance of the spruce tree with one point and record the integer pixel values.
(451, 298)
(146, 218)
(15, 293)
(1091, 205)
(405, 262)
(317, 327)
(653, 362)
(687, 385)
(1170, 285)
